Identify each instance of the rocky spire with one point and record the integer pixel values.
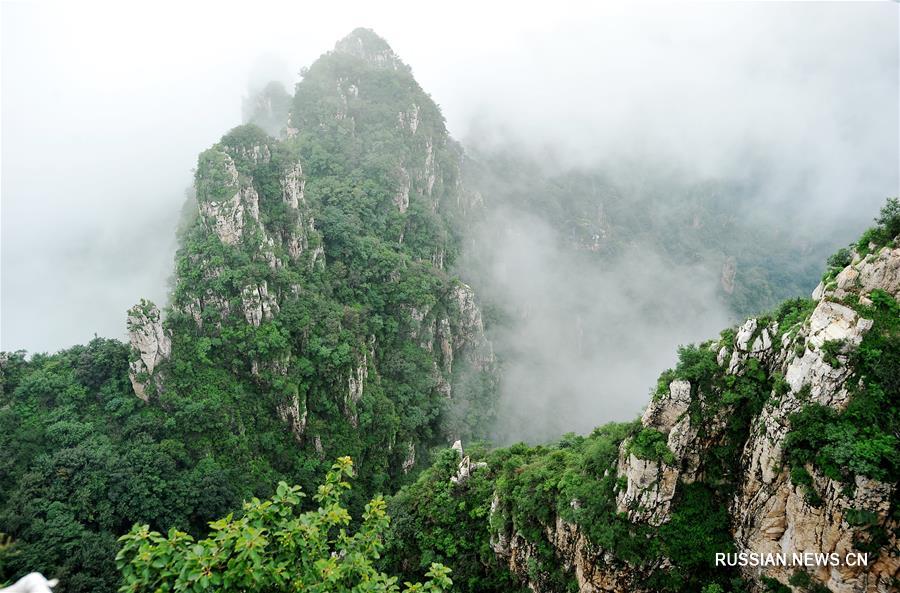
(150, 348)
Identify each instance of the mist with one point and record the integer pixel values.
(106, 106)
(584, 343)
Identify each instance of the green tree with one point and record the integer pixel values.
(273, 547)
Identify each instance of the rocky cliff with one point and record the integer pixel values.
(773, 418)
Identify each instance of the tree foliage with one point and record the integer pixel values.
(273, 546)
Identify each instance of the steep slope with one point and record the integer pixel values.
(779, 437)
(313, 276)
(312, 316)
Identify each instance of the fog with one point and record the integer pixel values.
(106, 106)
(584, 343)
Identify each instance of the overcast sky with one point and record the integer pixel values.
(106, 106)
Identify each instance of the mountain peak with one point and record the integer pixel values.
(366, 45)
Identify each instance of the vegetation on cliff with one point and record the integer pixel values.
(315, 315)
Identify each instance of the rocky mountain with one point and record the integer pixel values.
(317, 261)
(780, 437)
(313, 314)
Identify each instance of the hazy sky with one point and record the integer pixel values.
(106, 106)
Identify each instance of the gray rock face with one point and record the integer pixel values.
(356, 383)
(650, 488)
(226, 217)
(294, 414)
(875, 270)
(650, 484)
(729, 271)
(772, 514)
(466, 466)
(663, 413)
(468, 328)
(460, 334)
(150, 347)
(401, 198)
(268, 108)
(829, 322)
(236, 222)
(258, 305)
(410, 461)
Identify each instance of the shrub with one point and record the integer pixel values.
(650, 444)
(887, 227)
(840, 259)
(272, 547)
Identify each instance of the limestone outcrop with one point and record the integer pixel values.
(466, 466)
(151, 346)
(294, 413)
(454, 330)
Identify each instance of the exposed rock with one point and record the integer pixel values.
(875, 270)
(469, 328)
(772, 514)
(409, 120)
(401, 198)
(257, 304)
(257, 154)
(410, 461)
(227, 217)
(664, 411)
(649, 491)
(430, 171)
(294, 414)
(150, 347)
(292, 186)
(595, 571)
(208, 300)
(459, 335)
(355, 386)
(357, 380)
(466, 466)
(828, 322)
(277, 366)
(268, 108)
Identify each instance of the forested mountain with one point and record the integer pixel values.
(603, 212)
(312, 316)
(317, 312)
